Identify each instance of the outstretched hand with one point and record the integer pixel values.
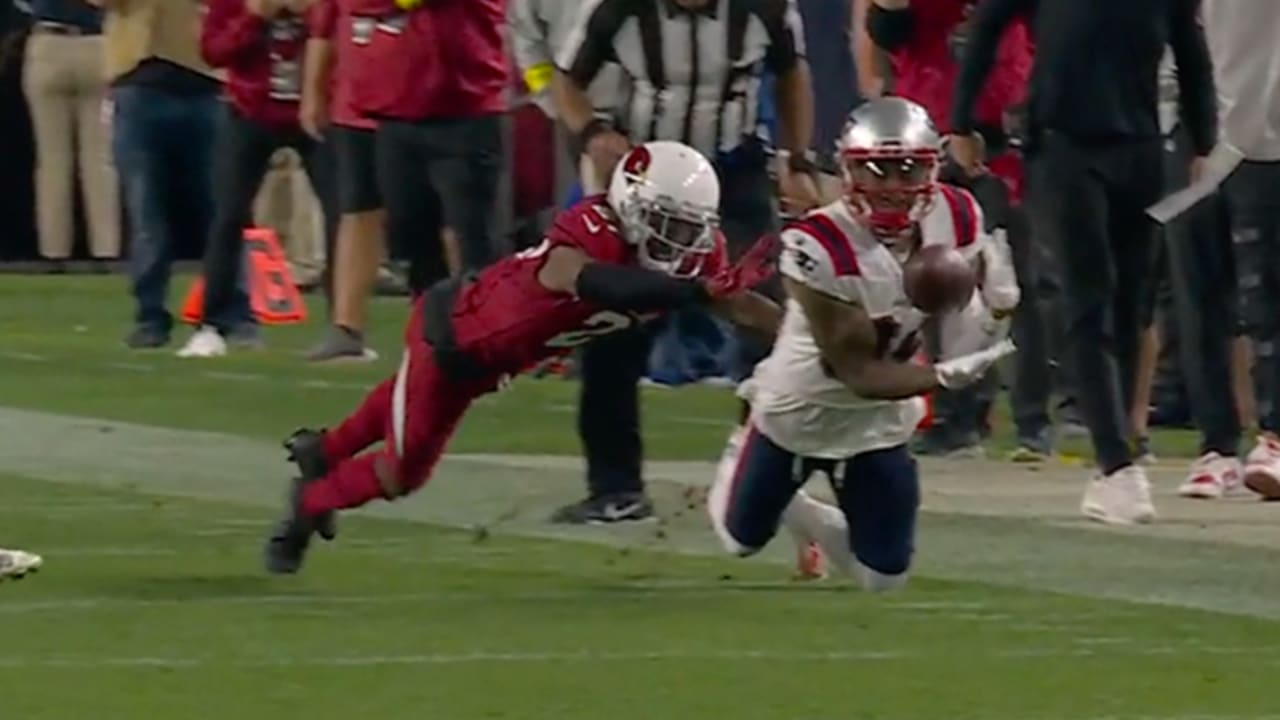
(754, 267)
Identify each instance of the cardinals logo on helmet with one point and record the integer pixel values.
(636, 164)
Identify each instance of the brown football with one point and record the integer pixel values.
(938, 278)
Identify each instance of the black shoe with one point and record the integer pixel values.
(938, 441)
(306, 450)
(287, 546)
(612, 508)
(146, 337)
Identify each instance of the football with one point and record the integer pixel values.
(938, 278)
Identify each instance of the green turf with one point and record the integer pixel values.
(151, 608)
(152, 604)
(62, 352)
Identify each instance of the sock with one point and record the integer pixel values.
(351, 484)
(362, 428)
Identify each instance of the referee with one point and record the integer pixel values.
(1094, 165)
(694, 69)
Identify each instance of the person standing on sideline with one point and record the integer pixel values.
(695, 69)
(1095, 165)
(260, 44)
(336, 59)
(439, 139)
(1246, 64)
(65, 91)
(164, 122)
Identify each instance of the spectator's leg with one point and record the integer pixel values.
(49, 83)
(412, 205)
(747, 211)
(244, 150)
(360, 244)
(1030, 394)
(466, 162)
(319, 163)
(1254, 210)
(609, 426)
(1072, 208)
(138, 124)
(97, 173)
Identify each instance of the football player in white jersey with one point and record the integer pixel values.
(840, 394)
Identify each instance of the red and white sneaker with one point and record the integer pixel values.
(1211, 477)
(811, 564)
(1262, 469)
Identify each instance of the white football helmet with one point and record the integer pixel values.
(667, 198)
(890, 153)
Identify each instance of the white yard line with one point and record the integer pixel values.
(581, 656)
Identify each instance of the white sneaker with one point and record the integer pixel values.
(1262, 469)
(205, 343)
(1211, 477)
(17, 564)
(1121, 498)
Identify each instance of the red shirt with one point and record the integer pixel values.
(508, 321)
(447, 59)
(263, 60)
(331, 20)
(925, 68)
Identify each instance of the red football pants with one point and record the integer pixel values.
(413, 413)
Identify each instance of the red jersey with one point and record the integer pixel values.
(332, 20)
(442, 60)
(262, 57)
(926, 67)
(508, 321)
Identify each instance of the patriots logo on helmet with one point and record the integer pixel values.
(636, 164)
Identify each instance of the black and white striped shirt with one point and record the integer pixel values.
(695, 74)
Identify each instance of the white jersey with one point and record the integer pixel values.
(795, 401)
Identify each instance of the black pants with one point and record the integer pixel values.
(1202, 274)
(611, 367)
(244, 150)
(435, 174)
(1089, 203)
(1253, 208)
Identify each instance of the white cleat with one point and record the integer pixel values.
(1262, 469)
(16, 564)
(205, 343)
(1121, 498)
(1211, 477)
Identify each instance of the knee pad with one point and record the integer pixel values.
(875, 581)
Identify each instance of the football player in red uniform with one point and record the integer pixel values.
(650, 244)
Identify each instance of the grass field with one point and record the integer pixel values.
(147, 483)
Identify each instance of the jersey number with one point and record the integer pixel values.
(602, 323)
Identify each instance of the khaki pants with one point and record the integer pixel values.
(64, 88)
(287, 205)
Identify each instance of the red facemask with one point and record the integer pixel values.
(889, 190)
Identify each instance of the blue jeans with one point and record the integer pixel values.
(693, 345)
(163, 146)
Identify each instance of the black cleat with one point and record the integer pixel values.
(612, 508)
(287, 546)
(306, 450)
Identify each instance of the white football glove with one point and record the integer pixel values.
(968, 369)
